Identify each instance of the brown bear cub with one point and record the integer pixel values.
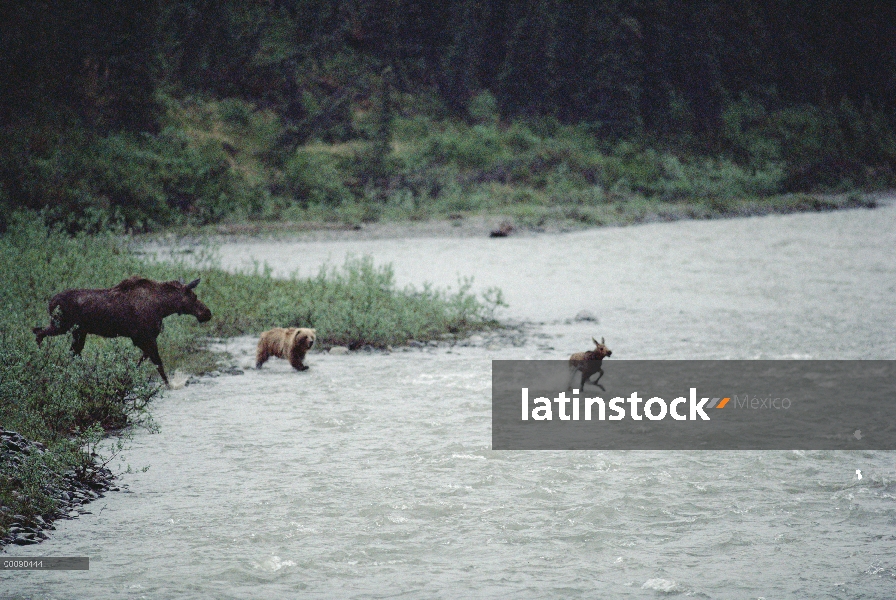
(291, 344)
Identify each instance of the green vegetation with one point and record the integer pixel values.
(46, 394)
(195, 112)
(353, 306)
(68, 402)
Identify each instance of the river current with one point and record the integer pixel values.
(371, 475)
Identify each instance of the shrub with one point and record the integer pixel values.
(483, 108)
(478, 147)
(354, 305)
(46, 394)
(235, 112)
(314, 178)
(199, 180)
(138, 182)
(813, 145)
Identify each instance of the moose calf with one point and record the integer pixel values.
(589, 363)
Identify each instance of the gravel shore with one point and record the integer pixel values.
(71, 494)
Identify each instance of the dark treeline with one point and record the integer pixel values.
(694, 75)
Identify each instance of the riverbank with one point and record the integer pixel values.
(69, 404)
(522, 219)
(69, 491)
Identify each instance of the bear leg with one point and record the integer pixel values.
(297, 364)
(261, 356)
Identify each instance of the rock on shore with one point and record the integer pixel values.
(71, 493)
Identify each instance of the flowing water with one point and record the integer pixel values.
(371, 474)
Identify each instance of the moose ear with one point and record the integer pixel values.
(595, 342)
(193, 284)
(601, 339)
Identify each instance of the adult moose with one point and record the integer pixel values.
(134, 308)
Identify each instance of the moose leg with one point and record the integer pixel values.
(78, 340)
(151, 351)
(573, 377)
(597, 381)
(50, 331)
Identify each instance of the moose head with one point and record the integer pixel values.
(189, 303)
(600, 351)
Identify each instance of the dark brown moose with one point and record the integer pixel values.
(589, 363)
(134, 308)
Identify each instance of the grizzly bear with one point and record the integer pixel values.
(291, 344)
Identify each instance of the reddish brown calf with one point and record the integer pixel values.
(589, 363)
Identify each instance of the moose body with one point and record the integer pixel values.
(589, 363)
(134, 308)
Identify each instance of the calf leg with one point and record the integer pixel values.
(151, 351)
(597, 381)
(573, 377)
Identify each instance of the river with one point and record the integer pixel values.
(371, 474)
